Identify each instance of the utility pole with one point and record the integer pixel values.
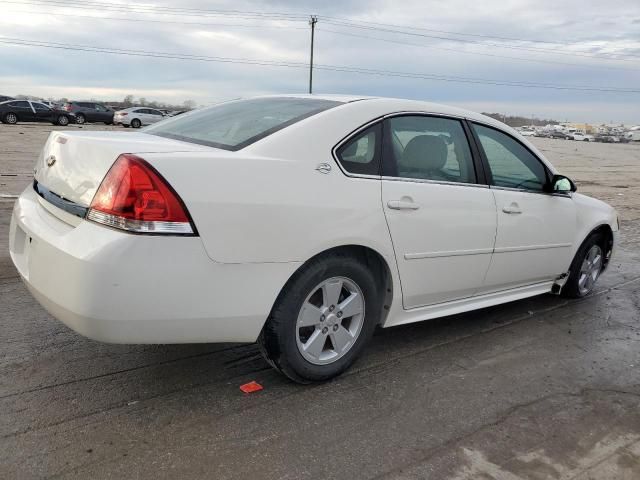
(312, 21)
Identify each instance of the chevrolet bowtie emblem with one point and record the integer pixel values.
(51, 160)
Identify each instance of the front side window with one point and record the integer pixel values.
(237, 124)
(511, 164)
(428, 148)
(361, 154)
(40, 107)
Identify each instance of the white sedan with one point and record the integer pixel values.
(137, 117)
(299, 222)
(583, 137)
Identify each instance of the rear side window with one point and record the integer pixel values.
(235, 125)
(361, 154)
(428, 148)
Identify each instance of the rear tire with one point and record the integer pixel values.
(10, 118)
(80, 119)
(585, 268)
(135, 123)
(322, 319)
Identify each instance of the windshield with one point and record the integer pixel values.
(234, 125)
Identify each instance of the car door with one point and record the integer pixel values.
(153, 116)
(42, 112)
(23, 109)
(535, 228)
(442, 221)
(101, 113)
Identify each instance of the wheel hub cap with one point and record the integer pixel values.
(590, 270)
(330, 320)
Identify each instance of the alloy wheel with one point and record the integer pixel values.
(63, 121)
(590, 270)
(80, 119)
(330, 320)
(11, 118)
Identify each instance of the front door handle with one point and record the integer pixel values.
(514, 208)
(402, 205)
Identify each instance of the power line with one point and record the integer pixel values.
(336, 21)
(152, 9)
(489, 44)
(334, 68)
(414, 27)
(175, 22)
(438, 47)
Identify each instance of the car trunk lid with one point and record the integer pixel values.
(73, 164)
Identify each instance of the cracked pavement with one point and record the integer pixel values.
(542, 388)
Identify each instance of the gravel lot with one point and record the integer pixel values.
(540, 388)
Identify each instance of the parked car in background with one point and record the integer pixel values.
(14, 111)
(605, 138)
(162, 236)
(4, 98)
(582, 137)
(633, 136)
(527, 132)
(137, 116)
(560, 135)
(90, 112)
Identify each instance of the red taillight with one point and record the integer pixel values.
(134, 197)
(124, 114)
(67, 108)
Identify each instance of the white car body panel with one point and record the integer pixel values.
(264, 210)
(534, 245)
(443, 249)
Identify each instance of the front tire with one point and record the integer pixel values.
(323, 319)
(585, 268)
(10, 118)
(80, 119)
(63, 120)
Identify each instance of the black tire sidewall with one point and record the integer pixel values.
(283, 349)
(61, 122)
(571, 288)
(135, 123)
(6, 118)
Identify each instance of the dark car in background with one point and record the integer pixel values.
(14, 111)
(4, 98)
(90, 112)
(560, 135)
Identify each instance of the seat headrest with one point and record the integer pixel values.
(426, 152)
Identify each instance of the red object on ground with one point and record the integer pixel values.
(251, 387)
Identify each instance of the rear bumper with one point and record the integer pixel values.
(122, 288)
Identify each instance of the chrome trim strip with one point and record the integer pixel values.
(537, 192)
(482, 251)
(434, 182)
(531, 247)
(60, 202)
(452, 253)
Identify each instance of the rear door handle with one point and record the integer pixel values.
(402, 205)
(514, 208)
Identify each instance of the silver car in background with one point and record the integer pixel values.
(137, 116)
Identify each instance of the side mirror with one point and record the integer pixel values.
(562, 184)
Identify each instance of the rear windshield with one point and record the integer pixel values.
(234, 125)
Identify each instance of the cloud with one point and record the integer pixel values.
(572, 26)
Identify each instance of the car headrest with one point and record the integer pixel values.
(426, 152)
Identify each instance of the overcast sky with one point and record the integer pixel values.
(591, 43)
